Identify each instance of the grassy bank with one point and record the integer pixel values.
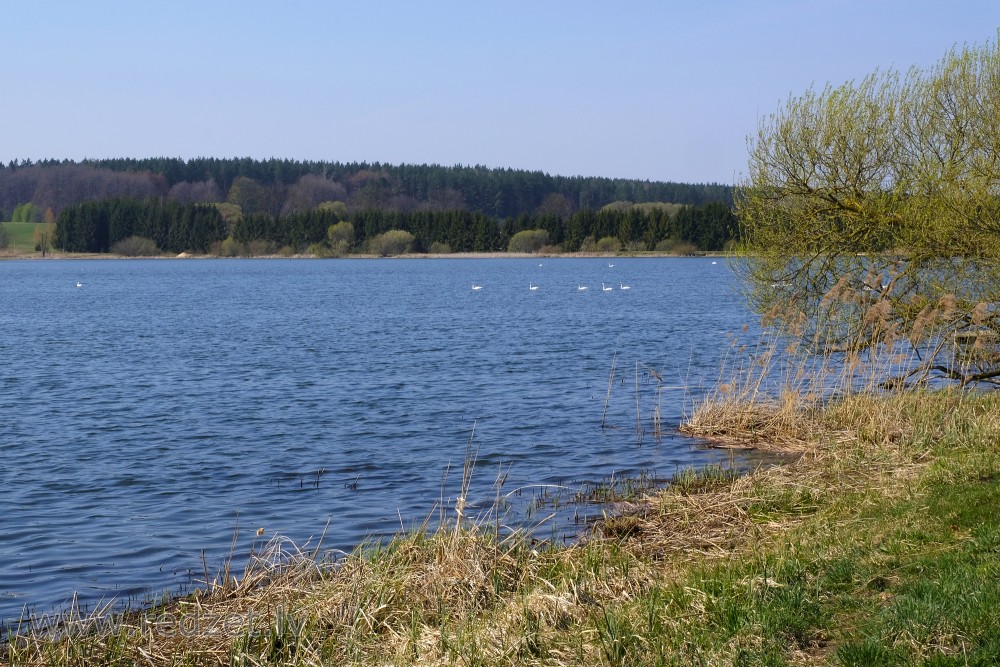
(20, 237)
(879, 545)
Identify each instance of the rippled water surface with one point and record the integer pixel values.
(164, 405)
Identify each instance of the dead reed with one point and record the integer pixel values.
(776, 392)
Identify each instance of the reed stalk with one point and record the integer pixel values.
(611, 380)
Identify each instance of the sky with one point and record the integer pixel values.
(662, 91)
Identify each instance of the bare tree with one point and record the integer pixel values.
(555, 204)
(310, 191)
(186, 192)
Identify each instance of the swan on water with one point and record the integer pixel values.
(79, 284)
(581, 288)
(532, 287)
(475, 286)
(621, 286)
(606, 288)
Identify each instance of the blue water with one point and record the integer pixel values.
(165, 405)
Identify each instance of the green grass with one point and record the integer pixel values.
(20, 236)
(934, 578)
(879, 545)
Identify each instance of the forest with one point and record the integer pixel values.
(197, 205)
(98, 226)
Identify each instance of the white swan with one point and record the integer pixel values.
(532, 287)
(79, 284)
(606, 288)
(621, 286)
(581, 288)
(610, 265)
(477, 287)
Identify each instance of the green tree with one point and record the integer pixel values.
(576, 229)
(26, 213)
(338, 208)
(870, 213)
(340, 236)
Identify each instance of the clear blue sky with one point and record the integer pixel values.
(632, 88)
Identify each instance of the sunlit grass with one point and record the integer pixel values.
(20, 236)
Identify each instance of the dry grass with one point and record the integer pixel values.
(841, 451)
(774, 395)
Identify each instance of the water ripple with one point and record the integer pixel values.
(173, 404)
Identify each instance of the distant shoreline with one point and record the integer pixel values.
(13, 256)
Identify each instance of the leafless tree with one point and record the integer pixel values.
(186, 192)
(310, 191)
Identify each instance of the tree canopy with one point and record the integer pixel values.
(870, 214)
(282, 187)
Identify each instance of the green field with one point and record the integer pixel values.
(20, 236)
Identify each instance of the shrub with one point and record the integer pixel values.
(529, 240)
(260, 247)
(608, 244)
(341, 236)
(136, 246)
(322, 251)
(230, 248)
(392, 242)
(339, 248)
(676, 247)
(438, 248)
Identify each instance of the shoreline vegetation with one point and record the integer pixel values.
(876, 545)
(58, 255)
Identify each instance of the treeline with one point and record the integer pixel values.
(98, 225)
(708, 227)
(282, 187)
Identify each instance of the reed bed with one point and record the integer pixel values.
(773, 394)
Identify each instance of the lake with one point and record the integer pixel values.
(165, 405)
